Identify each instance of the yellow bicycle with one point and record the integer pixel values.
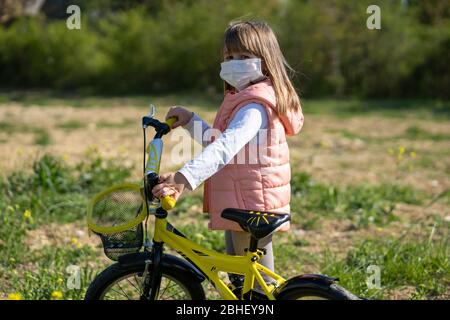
(119, 215)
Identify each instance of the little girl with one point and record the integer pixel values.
(247, 165)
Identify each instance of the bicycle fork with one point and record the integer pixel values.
(152, 281)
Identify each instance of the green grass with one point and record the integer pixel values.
(71, 125)
(8, 127)
(435, 109)
(419, 108)
(422, 264)
(125, 123)
(41, 135)
(413, 132)
(49, 98)
(418, 133)
(209, 239)
(185, 203)
(57, 191)
(291, 258)
(49, 270)
(54, 191)
(363, 205)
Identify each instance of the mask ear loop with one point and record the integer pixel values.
(264, 66)
(257, 35)
(265, 76)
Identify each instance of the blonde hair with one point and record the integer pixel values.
(257, 38)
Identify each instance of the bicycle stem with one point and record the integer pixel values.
(154, 150)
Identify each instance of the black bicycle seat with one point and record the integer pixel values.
(258, 224)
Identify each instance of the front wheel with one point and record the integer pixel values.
(126, 283)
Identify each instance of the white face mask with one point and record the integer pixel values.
(239, 73)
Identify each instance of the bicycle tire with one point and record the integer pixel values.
(333, 292)
(115, 272)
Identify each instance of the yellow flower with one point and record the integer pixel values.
(401, 150)
(412, 154)
(74, 242)
(27, 215)
(323, 144)
(14, 296)
(57, 295)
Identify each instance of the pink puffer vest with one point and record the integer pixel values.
(257, 178)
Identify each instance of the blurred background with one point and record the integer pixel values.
(370, 168)
(155, 45)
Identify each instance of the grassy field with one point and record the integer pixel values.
(371, 183)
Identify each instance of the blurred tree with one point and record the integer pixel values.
(162, 45)
(10, 9)
(432, 12)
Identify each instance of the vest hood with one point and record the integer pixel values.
(292, 120)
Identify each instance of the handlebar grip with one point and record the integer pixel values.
(167, 202)
(171, 121)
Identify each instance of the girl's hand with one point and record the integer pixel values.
(181, 113)
(170, 184)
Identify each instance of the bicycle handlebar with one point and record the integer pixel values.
(162, 128)
(171, 121)
(168, 202)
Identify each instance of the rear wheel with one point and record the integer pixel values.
(333, 292)
(119, 283)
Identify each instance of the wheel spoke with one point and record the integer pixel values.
(126, 295)
(139, 284)
(134, 286)
(167, 287)
(162, 294)
(126, 287)
(172, 295)
(120, 293)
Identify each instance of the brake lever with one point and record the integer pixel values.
(149, 116)
(152, 111)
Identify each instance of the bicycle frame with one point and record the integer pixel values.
(209, 262)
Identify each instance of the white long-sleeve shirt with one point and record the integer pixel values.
(241, 130)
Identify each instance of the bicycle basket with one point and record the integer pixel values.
(116, 216)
